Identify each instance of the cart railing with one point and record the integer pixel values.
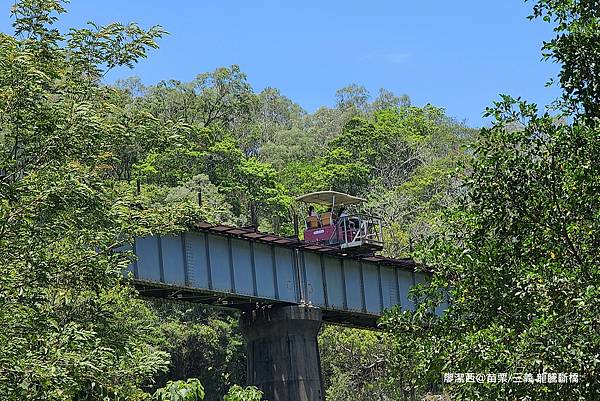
(357, 229)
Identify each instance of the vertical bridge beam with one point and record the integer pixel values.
(283, 353)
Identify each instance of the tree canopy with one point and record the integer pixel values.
(507, 217)
(518, 254)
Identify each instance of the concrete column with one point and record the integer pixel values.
(282, 351)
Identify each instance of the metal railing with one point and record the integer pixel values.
(357, 229)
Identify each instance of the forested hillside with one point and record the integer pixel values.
(251, 153)
(246, 150)
(506, 217)
(90, 165)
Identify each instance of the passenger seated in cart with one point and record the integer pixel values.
(343, 220)
(312, 220)
(349, 222)
(357, 233)
(343, 213)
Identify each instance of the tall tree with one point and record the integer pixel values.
(520, 253)
(71, 328)
(576, 47)
(353, 98)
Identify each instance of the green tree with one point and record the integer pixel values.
(180, 390)
(387, 100)
(519, 254)
(356, 365)
(220, 97)
(576, 47)
(223, 95)
(71, 327)
(276, 112)
(353, 99)
(202, 343)
(402, 160)
(238, 393)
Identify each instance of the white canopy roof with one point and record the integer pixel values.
(327, 198)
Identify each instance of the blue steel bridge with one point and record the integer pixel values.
(244, 269)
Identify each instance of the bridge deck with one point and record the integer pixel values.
(238, 268)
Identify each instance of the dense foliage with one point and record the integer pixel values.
(519, 253)
(71, 329)
(84, 166)
(203, 344)
(193, 390)
(180, 390)
(352, 147)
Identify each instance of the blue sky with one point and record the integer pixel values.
(455, 54)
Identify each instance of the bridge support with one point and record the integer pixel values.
(282, 351)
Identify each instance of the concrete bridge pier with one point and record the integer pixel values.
(282, 351)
